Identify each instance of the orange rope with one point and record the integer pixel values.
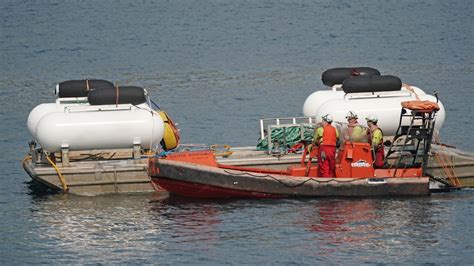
(448, 171)
(447, 166)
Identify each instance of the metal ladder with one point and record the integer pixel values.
(416, 140)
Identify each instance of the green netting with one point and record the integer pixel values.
(293, 136)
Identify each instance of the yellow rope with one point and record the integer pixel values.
(27, 157)
(149, 153)
(226, 152)
(61, 178)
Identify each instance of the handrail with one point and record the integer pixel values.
(264, 122)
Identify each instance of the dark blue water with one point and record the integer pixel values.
(216, 67)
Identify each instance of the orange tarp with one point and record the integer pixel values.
(421, 106)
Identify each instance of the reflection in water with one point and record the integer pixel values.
(339, 224)
(375, 228)
(103, 228)
(189, 221)
(125, 228)
(342, 215)
(152, 228)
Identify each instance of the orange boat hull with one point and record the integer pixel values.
(202, 177)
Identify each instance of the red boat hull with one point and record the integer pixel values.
(204, 181)
(194, 190)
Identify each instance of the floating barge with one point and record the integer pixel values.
(451, 166)
(91, 173)
(90, 140)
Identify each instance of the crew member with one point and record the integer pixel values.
(356, 132)
(326, 137)
(376, 140)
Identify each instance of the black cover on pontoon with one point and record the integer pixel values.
(371, 84)
(117, 95)
(335, 76)
(80, 88)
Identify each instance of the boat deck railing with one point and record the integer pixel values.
(284, 121)
(267, 125)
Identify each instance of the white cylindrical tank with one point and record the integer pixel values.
(37, 113)
(99, 127)
(387, 109)
(318, 98)
(45, 108)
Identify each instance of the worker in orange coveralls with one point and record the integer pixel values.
(326, 137)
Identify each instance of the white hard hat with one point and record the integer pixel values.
(327, 118)
(351, 114)
(372, 118)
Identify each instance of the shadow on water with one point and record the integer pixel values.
(180, 200)
(38, 191)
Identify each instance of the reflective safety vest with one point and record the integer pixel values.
(357, 133)
(327, 135)
(376, 137)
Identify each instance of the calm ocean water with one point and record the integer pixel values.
(216, 67)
